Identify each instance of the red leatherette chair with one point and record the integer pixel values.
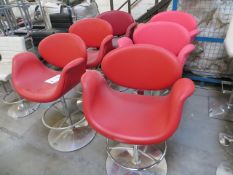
(187, 20)
(38, 83)
(168, 35)
(97, 35)
(132, 118)
(122, 22)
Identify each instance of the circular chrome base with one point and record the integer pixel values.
(12, 98)
(222, 112)
(67, 133)
(122, 157)
(225, 168)
(55, 116)
(114, 169)
(70, 139)
(22, 109)
(225, 139)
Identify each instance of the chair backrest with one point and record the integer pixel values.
(141, 66)
(168, 35)
(61, 48)
(91, 30)
(119, 21)
(187, 20)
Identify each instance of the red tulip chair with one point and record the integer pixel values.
(168, 35)
(122, 23)
(138, 120)
(97, 35)
(187, 20)
(9, 47)
(38, 83)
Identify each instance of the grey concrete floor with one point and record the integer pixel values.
(193, 149)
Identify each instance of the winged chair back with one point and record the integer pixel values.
(168, 35)
(143, 67)
(92, 31)
(61, 48)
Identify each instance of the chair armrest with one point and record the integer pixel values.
(105, 47)
(184, 53)
(124, 41)
(194, 33)
(91, 82)
(130, 30)
(181, 90)
(71, 75)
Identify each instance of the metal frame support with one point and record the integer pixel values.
(111, 5)
(129, 6)
(126, 2)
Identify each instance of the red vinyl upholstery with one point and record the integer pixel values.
(119, 20)
(137, 74)
(29, 74)
(185, 19)
(164, 34)
(96, 33)
(54, 49)
(168, 35)
(130, 118)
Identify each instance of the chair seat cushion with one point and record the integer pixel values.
(129, 118)
(92, 55)
(5, 71)
(37, 90)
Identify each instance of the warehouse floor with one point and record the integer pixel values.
(193, 150)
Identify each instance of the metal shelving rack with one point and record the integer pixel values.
(8, 21)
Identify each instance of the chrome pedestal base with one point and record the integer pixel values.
(19, 107)
(221, 107)
(222, 112)
(70, 139)
(11, 98)
(114, 169)
(150, 161)
(69, 130)
(225, 139)
(22, 109)
(225, 168)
